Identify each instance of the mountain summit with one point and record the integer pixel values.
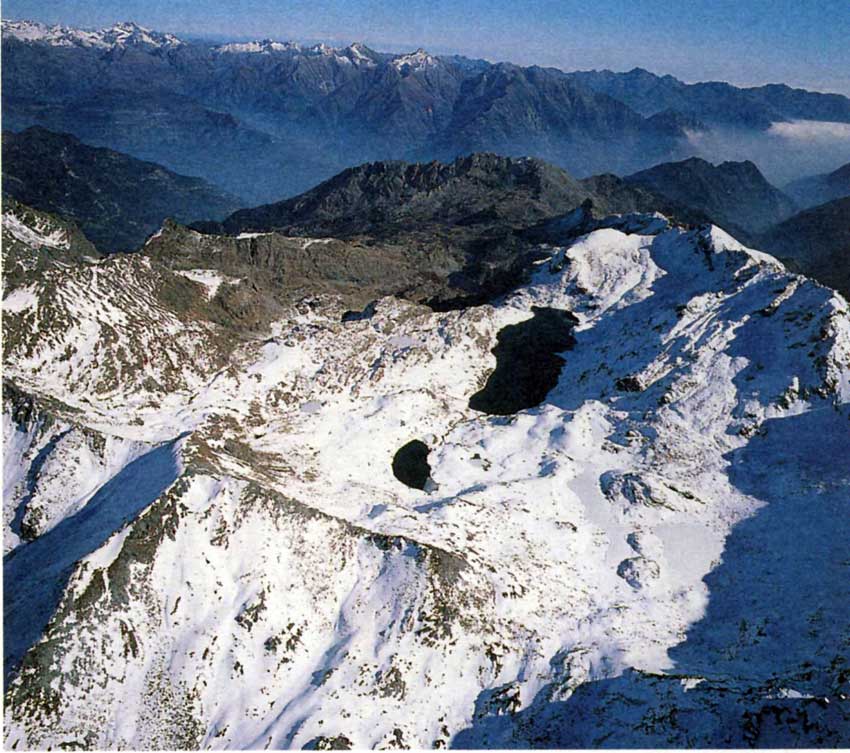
(735, 194)
(543, 521)
(121, 35)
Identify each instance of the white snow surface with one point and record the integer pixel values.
(209, 278)
(414, 61)
(34, 235)
(19, 300)
(117, 36)
(669, 523)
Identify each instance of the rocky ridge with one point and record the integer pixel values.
(582, 572)
(734, 194)
(116, 200)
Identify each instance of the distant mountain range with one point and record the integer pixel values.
(716, 102)
(819, 189)
(269, 119)
(116, 200)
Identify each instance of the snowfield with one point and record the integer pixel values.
(219, 555)
(209, 278)
(34, 235)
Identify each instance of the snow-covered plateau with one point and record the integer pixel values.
(207, 545)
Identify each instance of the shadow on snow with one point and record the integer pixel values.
(35, 574)
(767, 664)
(777, 621)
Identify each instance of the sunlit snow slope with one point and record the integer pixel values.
(208, 546)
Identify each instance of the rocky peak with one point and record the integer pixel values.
(414, 61)
(120, 35)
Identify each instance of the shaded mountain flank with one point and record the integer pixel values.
(734, 194)
(819, 189)
(816, 242)
(115, 199)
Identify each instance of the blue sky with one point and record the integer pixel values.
(800, 42)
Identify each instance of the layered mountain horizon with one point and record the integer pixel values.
(119, 202)
(292, 115)
(370, 400)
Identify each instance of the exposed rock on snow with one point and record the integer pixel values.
(120, 35)
(638, 571)
(599, 567)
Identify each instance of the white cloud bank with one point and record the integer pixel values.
(811, 130)
(785, 152)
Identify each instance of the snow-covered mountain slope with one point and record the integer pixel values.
(118, 36)
(129, 34)
(654, 553)
(357, 53)
(52, 468)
